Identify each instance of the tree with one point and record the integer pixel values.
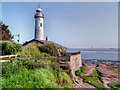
(6, 34)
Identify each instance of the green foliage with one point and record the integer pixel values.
(91, 79)
(49, 48)
(9, 47)
(94, 74)
(78, 73)
(114, 85)
(81, 70)
(32, 51)
(63, 52)
(8, 69)
(21, 74)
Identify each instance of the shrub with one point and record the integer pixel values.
(32, 51)
(78, 73)
(63, 52)
(49, 49)
(9, 47)
(81, 70)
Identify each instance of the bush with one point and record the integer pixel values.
(32, 51)
(78, 73)
(63, 52)
(9, 47)
(81, 70)
(49, 49)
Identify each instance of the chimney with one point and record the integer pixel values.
(46, 38)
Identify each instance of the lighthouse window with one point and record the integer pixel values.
(40, 24)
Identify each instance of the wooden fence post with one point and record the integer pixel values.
(11, 61)
(16, 56)
(9, 56)
(35, 61)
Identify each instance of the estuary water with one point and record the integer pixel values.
(97, 53)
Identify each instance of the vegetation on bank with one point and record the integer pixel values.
(10, 47)
(92, 79)
(114, 85)
(52, 50)
(26, 74)
(49, 48)
(32, 51)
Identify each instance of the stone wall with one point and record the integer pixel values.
(75, 63)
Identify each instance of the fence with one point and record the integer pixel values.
(61, 64)
(69, 64)
(8, 56)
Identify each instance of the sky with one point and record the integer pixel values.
(71, 24)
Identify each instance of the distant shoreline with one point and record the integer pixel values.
(97, 53)
(95, 61)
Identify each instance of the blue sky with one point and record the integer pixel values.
(74, 25)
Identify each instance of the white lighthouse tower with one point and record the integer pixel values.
(39, 31)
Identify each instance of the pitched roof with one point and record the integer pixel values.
(44, 42)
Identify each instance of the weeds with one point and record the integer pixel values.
(25, 74)
(114, 85)
(92, 79)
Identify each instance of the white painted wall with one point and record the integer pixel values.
(39, 30)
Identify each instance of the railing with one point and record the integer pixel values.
(9, 56)
(63, 64)
(69, 64)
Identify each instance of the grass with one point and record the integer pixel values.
(82, 69)
(114, 85)
(26, 74)
(92, 79)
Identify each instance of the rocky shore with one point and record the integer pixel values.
(95, 61)
(108, 73)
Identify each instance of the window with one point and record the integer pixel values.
(40, 24)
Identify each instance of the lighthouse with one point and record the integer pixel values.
(39, 30)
